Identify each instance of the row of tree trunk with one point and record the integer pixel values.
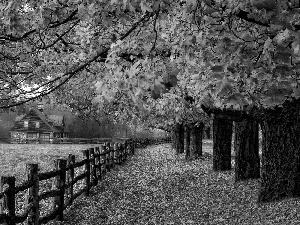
(280, 159)
(188, 139)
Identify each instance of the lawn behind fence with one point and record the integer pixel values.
(13, 157)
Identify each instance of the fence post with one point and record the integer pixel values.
(33, 194)
(107, 152)
(122, 152)
(8, 201)
(93, 167)
(11, 201)
(103, 160)
(107, 156)
(119, 153)
(86, 154)
(3, 199)
(132, 147)
(60, 182)
(98, 160)
(71, 161)
(111, 155)
(116, 153)
(126, 149)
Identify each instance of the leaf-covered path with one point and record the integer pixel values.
(157, 187)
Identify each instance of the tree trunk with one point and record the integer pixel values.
(222, 135)
(280, 174)
(178, 138)
(181, 139)
(196, 141)
(207, 132)
(187, 139)
(246, 146)
(173, 139)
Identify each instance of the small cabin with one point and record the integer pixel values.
(37, 127)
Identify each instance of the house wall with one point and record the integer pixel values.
(32, 118)
(31, 137)
(18, 137)
(32, 133)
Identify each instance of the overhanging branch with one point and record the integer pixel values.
(70, 74)
(228, 114)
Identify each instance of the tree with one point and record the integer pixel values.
(256, 73)
(246, 146)
(196, 140)
(243, 55)
(187, 141)
(222, 136)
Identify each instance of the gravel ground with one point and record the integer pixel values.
(157, 187)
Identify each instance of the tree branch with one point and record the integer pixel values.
(229, 114)
(52, 25)
(68, 75)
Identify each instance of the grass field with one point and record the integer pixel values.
(13, 157)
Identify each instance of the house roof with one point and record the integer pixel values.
(56, 120)
(18, 118)
(53, 122)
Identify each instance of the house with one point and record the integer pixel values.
(37, 127)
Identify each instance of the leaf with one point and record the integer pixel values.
(236, 100)
(268, 44)
(196, 77)
(247, 37)
(112, 2)
(218, 76)
(296, 93)
(82, 12)
(121, 85)
(131, 8)
(225, 89)
(217, 68)
(282, 36)
(145, 7)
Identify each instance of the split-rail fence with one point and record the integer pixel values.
(97, 161)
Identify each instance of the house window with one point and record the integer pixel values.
(37, 124)
(26, 123)
(45, 136)
(32, 136)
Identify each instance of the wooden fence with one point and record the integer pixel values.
(97, 161)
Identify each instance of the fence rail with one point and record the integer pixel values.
(97, 161)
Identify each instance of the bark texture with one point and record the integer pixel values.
(179, 138)
(173, 139)
(280, 174)
(246, 146)
(207, 132)
(187, 140)
(196, 141)
(222, 135)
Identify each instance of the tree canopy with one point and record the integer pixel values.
(224, 54)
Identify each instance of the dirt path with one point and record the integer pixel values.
(158, 187)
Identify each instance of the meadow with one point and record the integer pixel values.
(13, 157)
